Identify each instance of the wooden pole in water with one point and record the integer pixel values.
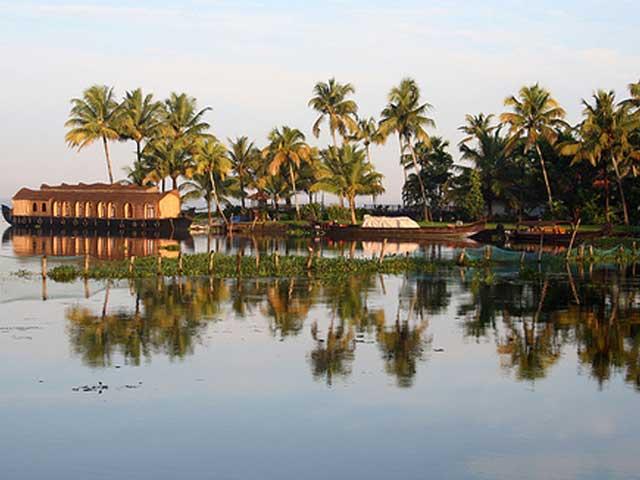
(573, 237)
(522, 256)
(541, 245)
(310, 258)
(462, 256)
(159, 265)
(591, 252)
(634, 249)
(382, 251)
(86, 264)
(487, 253)
(238, 262)
(210, 266)
(43, 264)
(180, 263)
(132, 263)
(581, 252)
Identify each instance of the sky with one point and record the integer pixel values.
(255, 63)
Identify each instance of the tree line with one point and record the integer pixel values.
(528, 159)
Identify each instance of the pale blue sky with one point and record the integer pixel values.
(256, 62)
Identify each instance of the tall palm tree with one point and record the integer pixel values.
(348, 173)
(182, 119)
(211, 160)
(487, 149)
(536, 115)
(287, 148)
(94, 117)
(368, 133)
(406, 116)
(243, 156)
(139, 119)
(606, 140)
(331, 102)
(167, 158)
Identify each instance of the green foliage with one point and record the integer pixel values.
(473, 200)
(338, 214)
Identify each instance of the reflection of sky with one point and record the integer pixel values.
(245, 405)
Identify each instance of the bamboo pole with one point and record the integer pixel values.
(573, 237)
(382, 251)
(462, 256)
(540, 248)
(210, 266)
(310, 258)
(132, 263)
(43, 264)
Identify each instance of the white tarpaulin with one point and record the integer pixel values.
(388, 222)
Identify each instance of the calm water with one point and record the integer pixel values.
(448, 375)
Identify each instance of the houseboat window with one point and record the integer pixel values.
(44, 207)
(87, 209)
(101, 211)
(149, 211)
(78, 209)
(56, 209)
(66, 207)
(34, 207)
(128, 210)
(112, 210)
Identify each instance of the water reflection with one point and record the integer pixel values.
(532, 324)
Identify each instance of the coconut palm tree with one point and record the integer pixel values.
(406, 116)
(331, 102)
(287, 148)
(167, 158)
(487, 149)
(243, 156)
(348, 173)
(536, 115)
(139, 119)
(212, 161)
(94, 117)
(367, 133)
(606, 139)
(181, 119)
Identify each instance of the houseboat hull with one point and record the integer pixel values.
(354, 232)
(163, 227)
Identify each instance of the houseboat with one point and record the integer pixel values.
(98, 207)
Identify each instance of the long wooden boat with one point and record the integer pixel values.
(356, 232)
(110, 209)
(550, 233)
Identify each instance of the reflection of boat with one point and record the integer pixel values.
(355, 232)
(98, 207)
(26, 243)
(395, 248)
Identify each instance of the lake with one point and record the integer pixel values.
(462, 374)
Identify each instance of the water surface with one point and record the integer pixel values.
(455, 374)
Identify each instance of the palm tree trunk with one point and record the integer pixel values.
(208, 213)
(335, 141)
(352, 207)
(546, 178)
(625, 210)
(423, 192)
(295, 196)
(242, 193)
(108, 156)
(404, 171)
(217, 200)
